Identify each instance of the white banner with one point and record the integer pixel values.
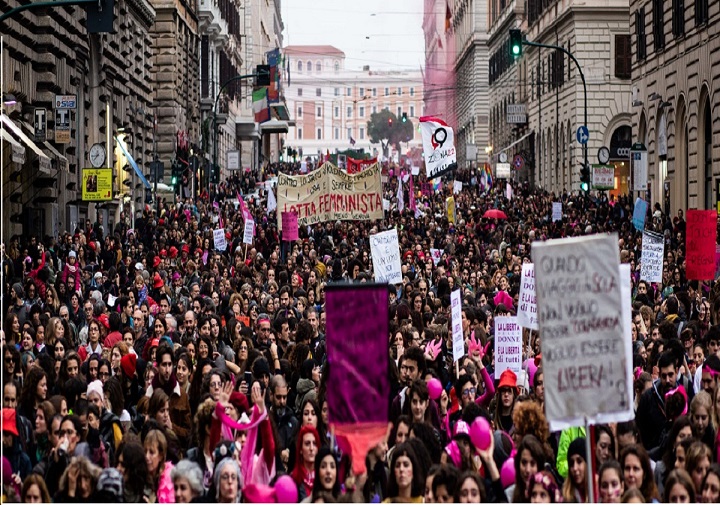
(456, 318)
(385, 250)
(580, 314)
(508, 345)
(219, 239)
(527, 304)
(651, 261)
(557, 211)
(438, 147)
(249, 231)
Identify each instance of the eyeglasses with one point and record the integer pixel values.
(468, 391)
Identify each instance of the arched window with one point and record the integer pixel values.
(707, 144)
(300, 66)
(318, 67)
(309, 66)
(337, 66)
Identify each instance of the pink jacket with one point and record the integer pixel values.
(166, 490)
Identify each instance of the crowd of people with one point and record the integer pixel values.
(142, 365)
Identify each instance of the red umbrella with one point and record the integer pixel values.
(495, 214)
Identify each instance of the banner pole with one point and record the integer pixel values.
(589, 465)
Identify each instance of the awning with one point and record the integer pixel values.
(43, 158)
(517, 141)
(62, 162)
(131, 160)
(274, 126)
(281, 111)
(246, 128)
(18, 151)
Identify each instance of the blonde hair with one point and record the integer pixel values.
(157, 438)
(85, 467)
(704, 400)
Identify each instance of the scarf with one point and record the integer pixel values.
(168, 387)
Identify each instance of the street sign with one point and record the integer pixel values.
(638, 156)
(40, 124)
(62, 126)
(582, 135)
(66, 101)
(516, 113)
(518, 162)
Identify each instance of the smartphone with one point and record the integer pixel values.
(248, 379)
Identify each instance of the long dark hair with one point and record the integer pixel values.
(133, 455)
(418, 481)
(536, 449)
(317, 486)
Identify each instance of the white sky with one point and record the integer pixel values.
(395, 31)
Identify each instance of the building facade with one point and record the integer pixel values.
(331, 105)
(439, 82)
(674, 72)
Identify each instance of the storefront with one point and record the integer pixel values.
(620, 144)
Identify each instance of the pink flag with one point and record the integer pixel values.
(411, 194)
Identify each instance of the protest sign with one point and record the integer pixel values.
(450, 207)
(457, 187)
(356, 166)
(386, 204)
(357, 327)
(249, 231)
(290, 226)
(330, 194)
(385, 250)
(438, 146)
(508, 345)
(603, 177)
(579, 303)
(557, 211)
(415, 170)
(456, 318)
(639, 214)
(219, 239)
(436, 255)
(701, 238)
(651, 261)
(527, 305)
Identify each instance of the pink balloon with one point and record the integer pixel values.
(285, 490)
(392, 172)
(481, 433)
(507, 473)
(434, 388)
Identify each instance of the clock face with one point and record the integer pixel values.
(603, 155)
(97, 155)
(503, 157)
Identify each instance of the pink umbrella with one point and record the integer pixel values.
(495, 214)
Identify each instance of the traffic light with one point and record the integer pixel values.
(215, 174)
(100, 16)
(404, 117)
(157, 169)
(584, 177)
(515, 43)
(390, 122)
(263, 75)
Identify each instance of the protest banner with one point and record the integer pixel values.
(458, 342)
(457, 187)
(603, 177)
(527, 305)
(701, 238)
(249, 231)
(436, 255)
(557, 211)
(385, 250)
(356, 338)
(219, 239)
(639, 214)
(450, 208)
(290, 226)
(356, 166)
(331, 194)
(580, 316)
(651, 261)
(438, 147)
(508, 345)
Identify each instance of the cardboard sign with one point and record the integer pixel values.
(651, 261)
(527, 303)
(639, 214)
(508, 345)
(249, 231)
(557, 211)
(580, 315)
(385, 250)
(290, 226)
(701, 238)
(219, 239)
(330, 194)
(436, 255)
(456, 318)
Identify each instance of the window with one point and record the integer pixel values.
(299, 130)
(349, 112)
(300, 66)
(399, 91)
(337, 133)
(337, 91)
(557, 61)
(399, 109)
(299, 91)
(387, 91)
(319, 133)
(386, 106)
(336, 66)
(337, 111)
(678, 18)
(318, 91)
(319, 112)
(701, 12)
(362, 92)
(374, 92)
(318, 67)
(362, 133)
(374, 109)
(308, 65)
(640, 34)
(299, 110)
(622, 56)
(362, 112)
(412, 91)
(349, 92)
(412, 110)
(658, 25)
(349, 132)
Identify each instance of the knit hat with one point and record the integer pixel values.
(72, 254)
(239, 401)
(111, 481)
(95, 387)
(577, 448)
(128, 363)
(139, 267)
(18, 289)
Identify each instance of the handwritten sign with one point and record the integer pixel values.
(700, 244)
(527, 304)
(651, 261)
(603, 177)
(580, 316)
(385, 250)
(456, 318)
(219, 239)
(457, 187)
(557, 211)
(436, 255)
(415, 170)
(330, 194)
(290, 226)
(639, 214)
(508, 345)
(249, 231)
(438, 147)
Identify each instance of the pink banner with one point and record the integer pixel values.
(700, 245)
(290, 226)
(411, 194)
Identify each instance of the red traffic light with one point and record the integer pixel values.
(390, 121)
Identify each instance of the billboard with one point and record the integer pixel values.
(96, 184)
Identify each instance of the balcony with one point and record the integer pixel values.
(211, 21)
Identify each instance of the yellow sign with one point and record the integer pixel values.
(450, 206)
(96, 184)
